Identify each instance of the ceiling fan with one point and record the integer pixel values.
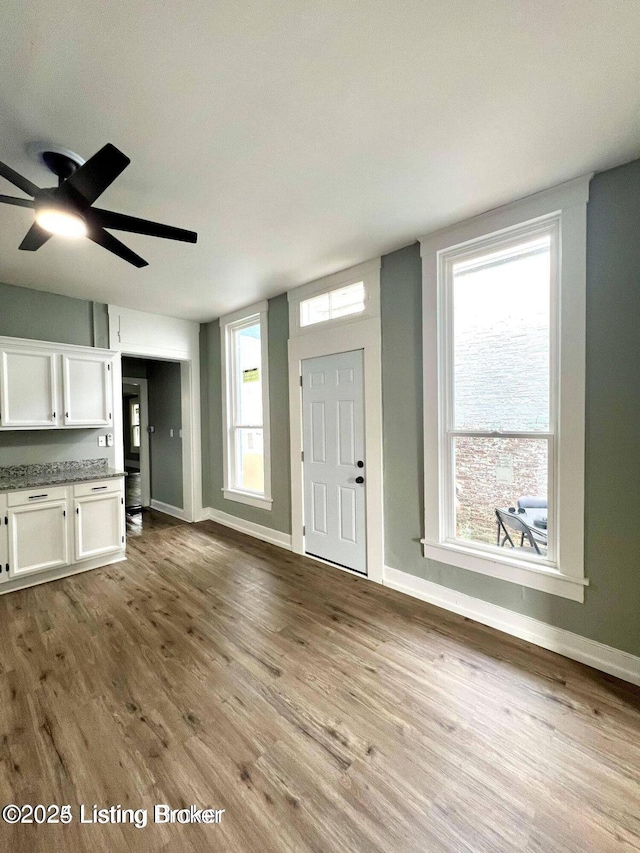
(68, 209)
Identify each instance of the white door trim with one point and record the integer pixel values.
(141, 335)
(364, 335)
(145, 467)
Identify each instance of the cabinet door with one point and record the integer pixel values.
(87, 390)
(99, 525)
(28, 388)
(38, 538)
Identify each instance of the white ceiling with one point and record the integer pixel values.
(298, 137)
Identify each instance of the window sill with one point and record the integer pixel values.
(247, 498)
(542, 578)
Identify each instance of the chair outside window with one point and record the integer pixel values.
(508, 521)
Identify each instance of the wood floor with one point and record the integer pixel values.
(322, 712)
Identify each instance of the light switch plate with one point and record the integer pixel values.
(102, 441)
(109, 439)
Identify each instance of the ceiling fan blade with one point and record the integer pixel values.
(94, 176)
(122, 222)
(18, 181)
(35, 237)
(19, 202)
(108, 241)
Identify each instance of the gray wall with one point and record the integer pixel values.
(279, 518)
(165, 413)
(34, 314)
(611, 612)
(40, 316)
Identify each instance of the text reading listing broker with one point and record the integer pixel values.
(161, 813)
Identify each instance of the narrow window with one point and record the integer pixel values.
(244, 350)
(503, 312)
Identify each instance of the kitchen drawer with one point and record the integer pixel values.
(97, 487)
(36, 496)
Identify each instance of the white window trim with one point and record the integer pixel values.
(566, 576)
(368, 273)
(257, 312)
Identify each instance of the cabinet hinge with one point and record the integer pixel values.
(123, 538)
(302, 455)
(304, 529)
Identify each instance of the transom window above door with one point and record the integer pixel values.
(332, 305)
(336, 300)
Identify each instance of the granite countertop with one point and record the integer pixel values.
(56, 474)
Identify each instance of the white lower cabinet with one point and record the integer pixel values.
(38, 527)
(38, 538)
(98, 525)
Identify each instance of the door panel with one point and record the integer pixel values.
(28, 384)
(333, 440)
(98, 525)
(38, 538)
(87, 390)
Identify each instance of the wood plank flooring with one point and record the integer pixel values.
(322, 712)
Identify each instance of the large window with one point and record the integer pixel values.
(504, 392)
(246, 407)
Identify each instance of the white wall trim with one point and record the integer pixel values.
(258, 531)
(598, 655)
(360, 334)
(168, 509)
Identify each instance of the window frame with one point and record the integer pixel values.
(135, 424)
(563, 208)
(252, 315)
(368, 273)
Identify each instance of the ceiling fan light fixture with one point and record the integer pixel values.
(61, 222)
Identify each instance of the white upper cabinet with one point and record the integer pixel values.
(86, 383)
(54, 386)
(28, 381)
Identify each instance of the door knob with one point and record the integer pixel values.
(359, 479)
(360, 463)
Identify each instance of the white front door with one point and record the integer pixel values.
(334, 459)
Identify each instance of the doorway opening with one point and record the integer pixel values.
(135, 439)
(152, 439)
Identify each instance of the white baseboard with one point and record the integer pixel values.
(274, 537)
(605, 658)
(62, 572)
(167, 509)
